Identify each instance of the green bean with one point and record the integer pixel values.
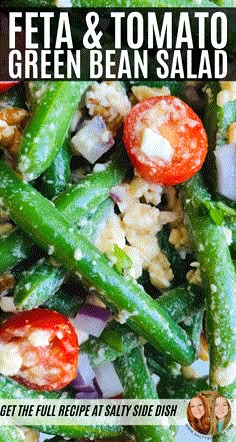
(216, 121)
(137, 383)
(35, 91)
(218, 275)
(100, 351)
(56, 178)
(91, 228)
(42, 280)
(38, 284)
(75, 203)
(10, 433)
(64, 302)
(162, 365)
(83, 431)
(48, 126)
(159, 370)
(182, 302)
(82, 198)
(180, 266)
(14, 247)
(181, 388)
(117, 339)
(46, 225)
(194, 328)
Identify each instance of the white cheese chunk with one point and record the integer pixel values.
(153, 144)
(10, 360)
(39, 338)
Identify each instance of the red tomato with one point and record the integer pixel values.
(5, 85)
(44, 346)
(165, 140)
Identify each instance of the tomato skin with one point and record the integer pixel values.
(61, 355)
(5, 85)
(180, 126)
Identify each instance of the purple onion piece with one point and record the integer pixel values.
(92, 140)
(87, 395)
(226, 170)
(92, 319)
(78, 382)
(108, 380)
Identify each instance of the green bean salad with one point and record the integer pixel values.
(117, 245)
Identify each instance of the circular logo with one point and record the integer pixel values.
(208, 413)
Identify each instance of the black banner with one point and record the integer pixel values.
(123, 44)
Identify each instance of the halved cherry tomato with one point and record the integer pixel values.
(5, 85)
(165, 140)
(39, 349)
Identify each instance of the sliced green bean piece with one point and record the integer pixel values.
(10, 433)
(83, 197)
(48, 127)
(180, 266)
(75, 203)
(56, 178)
(218, 276)
(14, 247)
(159, 370)
(92, 226)
(182, 302)
(37, 284)
(156, 359)
(193, 327)
(216, 122)
(117, 339)
(99, 351)
(35, 91)
(137, 383)
(68, 304)
(84, 431)
(181, 388)
(42, 280)
(46, 225)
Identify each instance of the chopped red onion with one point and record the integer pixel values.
(108, 380)
(226, 170)
(87, 395)
(90, 391)
(92, 140)
(78, 382)
(85, 372)
(92, 319)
